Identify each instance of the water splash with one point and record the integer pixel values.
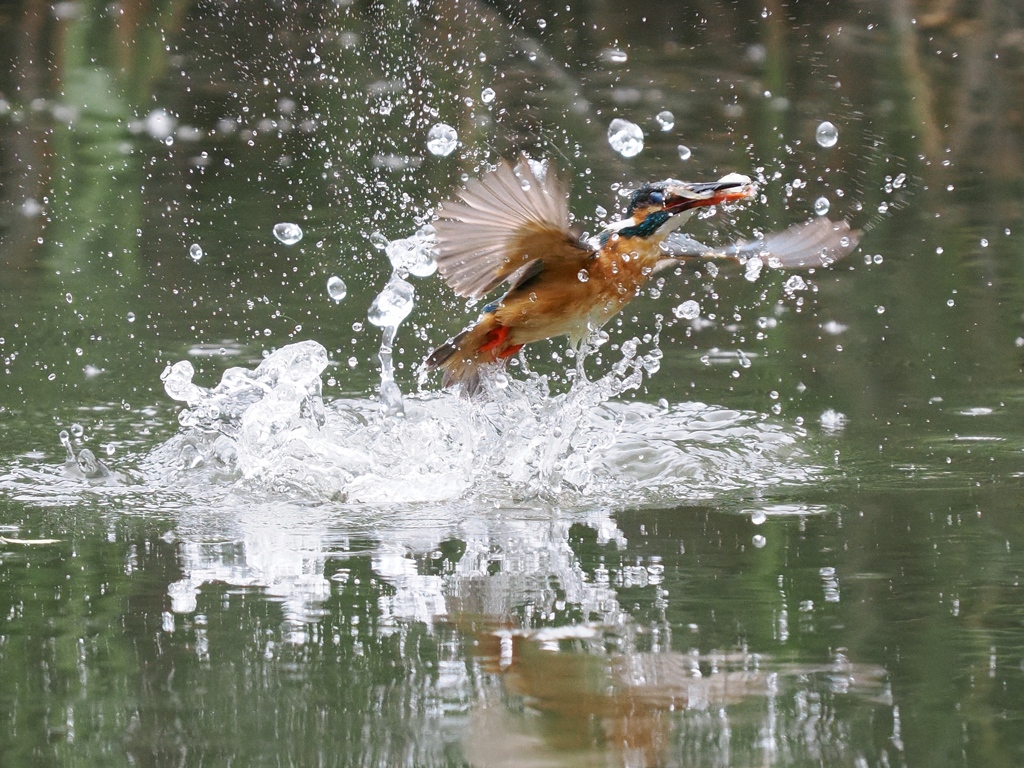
(414, 255)
(84, 464)
(389, 309)
(269, 429)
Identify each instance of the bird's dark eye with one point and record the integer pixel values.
(657, 198)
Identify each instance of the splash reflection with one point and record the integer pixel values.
(540, 662)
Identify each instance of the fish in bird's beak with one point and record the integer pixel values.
(682, 196)
(658, 209)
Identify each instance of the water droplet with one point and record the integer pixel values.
(834, 328)
(336, 288)
(688, 310)
(826, 135)
(413, 255)
(160, 125)
(832, 421)
(759, 541)
(625, 137)
(796, 283)
(288, 233)
(614, 55)
(666, 120)
(752, 269)
(684, 152)
(195, 252)
(821, 206)
(899, 181)
(758, 517)
(583, 275)
(130, 317)
(442, 139)
(487, 95)
(542, 23)
(393, 304)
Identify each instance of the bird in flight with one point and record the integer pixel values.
(512, 226)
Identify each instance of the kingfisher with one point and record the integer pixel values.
(512, 226)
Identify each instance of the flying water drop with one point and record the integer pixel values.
(821, 206)
(393, 304)
(442, 139)
(413, 255)
(160, 124)
(826, 135)
(614, 55)
(666, 120)
(688, 310)
(288, 233)
(336, 288)
(487, 95)
(684, 152)
(625, 137)
(195, 252)
(795, 283)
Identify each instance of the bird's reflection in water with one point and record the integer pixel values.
(582, 695)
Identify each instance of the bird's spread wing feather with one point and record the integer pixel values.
(814, 243)
(501, 223)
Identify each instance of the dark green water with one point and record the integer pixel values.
(758, 581)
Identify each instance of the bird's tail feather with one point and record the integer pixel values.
(463, 357)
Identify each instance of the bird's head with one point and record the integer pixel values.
(659, 208)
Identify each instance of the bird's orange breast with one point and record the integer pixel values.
(573, 299)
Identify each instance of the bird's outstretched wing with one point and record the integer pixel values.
(502, 226)
(815, 243)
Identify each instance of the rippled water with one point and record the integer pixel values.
(772, 519)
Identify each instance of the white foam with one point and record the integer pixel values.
(269, 429)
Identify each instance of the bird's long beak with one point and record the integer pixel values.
(682, 196)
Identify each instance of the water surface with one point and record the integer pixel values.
(785, 532)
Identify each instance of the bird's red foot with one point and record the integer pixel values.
(494, 338)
